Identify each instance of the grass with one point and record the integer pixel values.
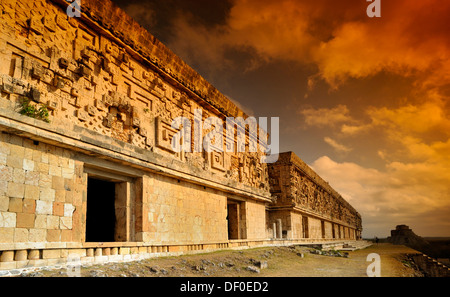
(39, 111)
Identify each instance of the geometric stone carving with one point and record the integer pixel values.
(218, 160)
(82, 115)
(35, 24)
(164, 135)
(49, 23)
(37, 71)
(63, 63)
(62, 22)
(91, 110)
(35, 95)
(100, 104)
(52, 105)
(59, 82)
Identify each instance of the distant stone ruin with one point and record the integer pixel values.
(403, 235)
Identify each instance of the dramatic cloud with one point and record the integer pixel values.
(337, 146)
(326, 117)
(409, 39)
(413, 119)
(403, 194)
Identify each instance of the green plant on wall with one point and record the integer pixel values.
(38, 112)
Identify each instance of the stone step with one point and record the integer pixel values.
(355, 245)
(346, 245)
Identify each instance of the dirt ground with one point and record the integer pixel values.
(260, 262)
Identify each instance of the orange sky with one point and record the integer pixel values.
(364, 101)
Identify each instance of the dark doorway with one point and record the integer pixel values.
(100, 217)
(233, 221)
(305, 227)
(322, 225)
(236, 219)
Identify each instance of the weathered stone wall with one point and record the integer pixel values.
(93, 98)
(180, 212)
(256, 219)
(86, 73)
(42, 193)
(297, 188)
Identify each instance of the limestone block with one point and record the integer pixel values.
(40, 221)
(31, 177)
(124, 251)
(6, 235)
(19, 175)
(51, 254)
(15, 205)
(48, 77)
(44, 207)
(8, 219)
(84, 71)
(68, 209)
(3, 158)
(114, 251)
(6, 173)
(4, 202)
(21, 235)
(53, 235)
(46, 194)
(14, 161)
(68, 173)
(25, 220)
(90, 253)
(66, 223)
(15, 190)
(28, 165)
(31, 192)
(52, 222)
(63, 63)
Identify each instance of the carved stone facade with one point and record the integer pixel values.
(86, 161)
(310, 207)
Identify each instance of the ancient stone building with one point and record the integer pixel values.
(403, 235)
(305, 206)
(86, 162)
